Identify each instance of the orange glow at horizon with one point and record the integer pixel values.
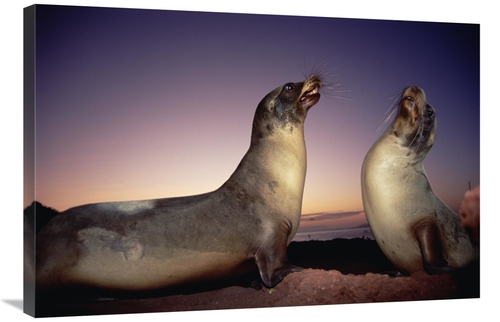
(338, 220)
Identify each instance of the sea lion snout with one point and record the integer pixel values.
(313, 80)
(310, 91)
(311, 85)
(413, 98)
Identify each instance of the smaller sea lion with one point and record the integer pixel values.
(412, 226)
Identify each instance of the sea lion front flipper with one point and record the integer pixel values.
(272, 261)
(273, 267)
(428, 237)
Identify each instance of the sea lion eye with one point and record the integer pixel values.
(289, 86)
(430, 113)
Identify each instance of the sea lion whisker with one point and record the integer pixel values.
(329, 94)
(396, 99)
(345, 98)
(331, 86)
(321, 70)
(330, 89)
(342, 91)
(318, 67)
(325, 72)
(326, 75)
(390, 111)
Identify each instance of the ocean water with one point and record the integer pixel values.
(348, 233)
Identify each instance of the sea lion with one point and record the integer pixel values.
(412, 226)
(245, 224)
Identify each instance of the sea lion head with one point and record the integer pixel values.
(286, 107)
(415, 124)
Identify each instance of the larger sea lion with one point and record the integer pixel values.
(412, 226)
(148, 245)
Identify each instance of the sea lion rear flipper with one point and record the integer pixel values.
(428, 237)
(272, 261)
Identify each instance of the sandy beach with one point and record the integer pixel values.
(335, 272)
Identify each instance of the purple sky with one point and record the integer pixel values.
(138, 104)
